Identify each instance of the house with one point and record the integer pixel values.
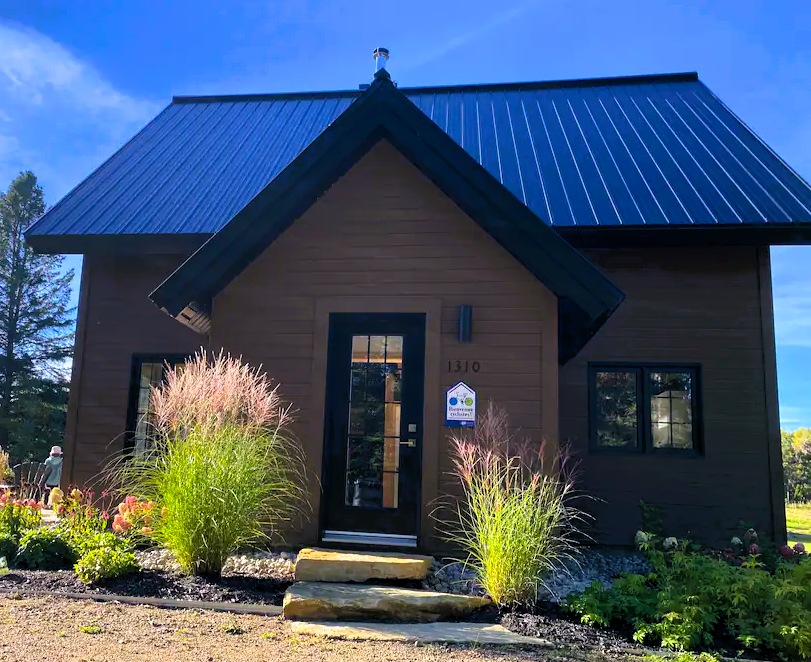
(592, 255)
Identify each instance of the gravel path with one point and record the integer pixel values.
(60, 630)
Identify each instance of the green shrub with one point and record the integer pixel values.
(45, 549)
(104, 539)
(515, 519)
(221, 465)
(691, 598)
(8, 547)
(104, 563)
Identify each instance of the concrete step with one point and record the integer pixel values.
(321, 601)
(326, 565)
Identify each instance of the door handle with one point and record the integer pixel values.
(411, 443)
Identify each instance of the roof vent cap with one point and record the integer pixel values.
(381, 57)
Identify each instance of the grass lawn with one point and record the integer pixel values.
(798, 521)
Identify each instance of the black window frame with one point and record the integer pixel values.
(644, 444)
(137, 362)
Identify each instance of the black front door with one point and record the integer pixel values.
(373, 427)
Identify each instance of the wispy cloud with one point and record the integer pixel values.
(459, 40)
(60, 117)
(793, 417)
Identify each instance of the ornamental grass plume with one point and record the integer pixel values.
(214, 391)
(515, 519)
(222, 468)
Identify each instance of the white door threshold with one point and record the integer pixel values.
(369, 538)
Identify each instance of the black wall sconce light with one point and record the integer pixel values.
(465, 323)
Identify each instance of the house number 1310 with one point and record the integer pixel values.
(464, 366)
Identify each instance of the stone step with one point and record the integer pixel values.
(321, 601)
(326, 565)
(426, 633)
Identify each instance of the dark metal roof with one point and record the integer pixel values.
(641, 151)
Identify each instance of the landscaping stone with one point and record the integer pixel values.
(452, 633)
(260, 564)
(324, 565)
(601, 565)
(328, 601)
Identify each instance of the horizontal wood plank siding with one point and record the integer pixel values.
(384, 232)
(690, 305)
(119, 321)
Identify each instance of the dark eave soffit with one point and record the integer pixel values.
(590, 237)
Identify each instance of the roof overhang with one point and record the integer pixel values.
(767, 234)
(120, 244)
(587, 297)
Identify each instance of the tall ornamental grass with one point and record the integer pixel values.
(515, 519)
(222, 465)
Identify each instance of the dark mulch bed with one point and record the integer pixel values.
(549, 621)
(153, 584)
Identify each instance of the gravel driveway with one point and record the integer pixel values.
(62, 630)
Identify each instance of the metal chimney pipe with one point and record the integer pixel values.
(381, 57)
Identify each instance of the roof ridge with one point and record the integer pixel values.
(682, 77)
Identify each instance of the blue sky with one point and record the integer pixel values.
(78, 78)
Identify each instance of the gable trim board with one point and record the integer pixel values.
(382, 113)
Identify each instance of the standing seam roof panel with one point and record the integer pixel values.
(602, 153)
(753, 150)
(192, 168)
(731, 165)
(655, 178)
(623, 202)
(693, 138)
(725, 200)
(531, 183)
(690, 174)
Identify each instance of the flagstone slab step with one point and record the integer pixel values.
(326, 565)
(321, 601)
(452, 633)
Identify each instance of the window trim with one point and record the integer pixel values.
(136, 363)
(644, 444)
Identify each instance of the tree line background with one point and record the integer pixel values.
(797, 465)
(36, 331)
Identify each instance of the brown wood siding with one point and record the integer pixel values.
(116, 320)
(384, 238)
(692, 305)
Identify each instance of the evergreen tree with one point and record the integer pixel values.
(36, 329)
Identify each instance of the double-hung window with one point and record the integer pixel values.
(148, 371)
(645, 408)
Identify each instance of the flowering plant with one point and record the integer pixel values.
(80, 516)
(135, 516)
(18, 515)
(55, 497)
(791, 552)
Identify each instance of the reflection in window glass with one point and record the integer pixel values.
(671, 404)
(373, 447)
(617, 409)
(151, 375)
